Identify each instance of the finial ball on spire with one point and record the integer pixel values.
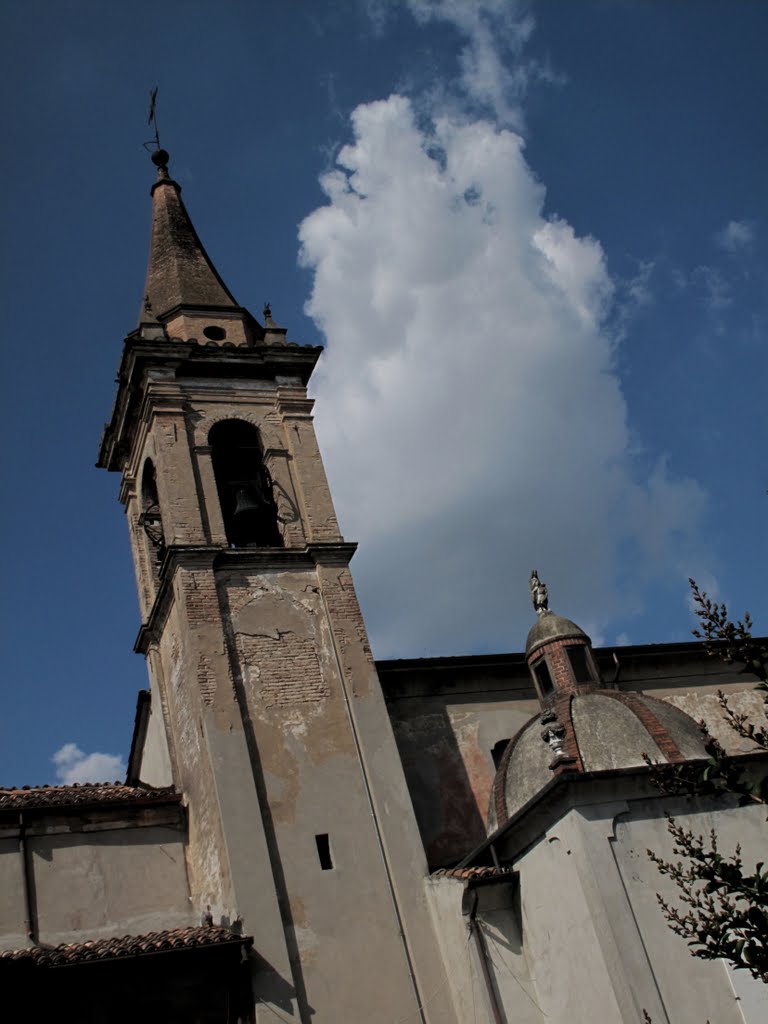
(160, 158)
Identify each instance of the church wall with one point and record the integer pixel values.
(179, 665)
(12, 908)
(449, 713)
(497, 918)
(155, 765)
(709, 987)
(97, 884)
(310, 692)
(261, 726)
(702, 704)
(596, 942)
(574, 977)
(445, 744)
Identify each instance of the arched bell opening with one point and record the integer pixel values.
(151, 520)
(244, 485)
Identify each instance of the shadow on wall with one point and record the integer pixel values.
(444, 802)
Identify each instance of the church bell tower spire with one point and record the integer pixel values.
(266, 710)
(182, 286)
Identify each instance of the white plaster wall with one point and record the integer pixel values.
(497, 918)
(311, 693)
(465, 987)
(12, 909)
(596, 941)
(561, 934)
(693, 989)
(751, 993)
(155, 767)
(125, 881)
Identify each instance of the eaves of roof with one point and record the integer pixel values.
(82, 795)
(99, 950)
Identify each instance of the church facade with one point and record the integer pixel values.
(307, 835)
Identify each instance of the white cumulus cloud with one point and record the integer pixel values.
(469, 410)
(493, 72)
(736, 236)
(74, 765)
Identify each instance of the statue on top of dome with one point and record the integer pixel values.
(539, 594)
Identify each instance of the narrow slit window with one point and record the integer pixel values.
(324, 851)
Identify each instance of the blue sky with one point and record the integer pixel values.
(533, 238)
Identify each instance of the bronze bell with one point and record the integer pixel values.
(247, 500)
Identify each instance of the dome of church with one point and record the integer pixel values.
(587, 732)
(550, 627)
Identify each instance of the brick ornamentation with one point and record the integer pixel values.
(286, 669)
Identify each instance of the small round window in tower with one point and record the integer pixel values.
(215, 333)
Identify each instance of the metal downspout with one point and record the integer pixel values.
(30, 920)
(482, 956)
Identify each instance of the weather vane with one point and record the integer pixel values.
(152, 119)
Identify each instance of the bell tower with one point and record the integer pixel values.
(266, 711)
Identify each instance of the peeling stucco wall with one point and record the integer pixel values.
(705, 707)
(446, 743)
(178, 664)
(292, 657)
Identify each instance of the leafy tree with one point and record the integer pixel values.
(725, 911)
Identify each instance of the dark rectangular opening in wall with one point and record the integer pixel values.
(498, 752)
(324, 851)
(545, 679)
(579, 664)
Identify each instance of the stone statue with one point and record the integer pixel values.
(539, 594)
(553, 732)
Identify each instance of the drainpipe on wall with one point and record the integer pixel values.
(30, 919)
(482, 955)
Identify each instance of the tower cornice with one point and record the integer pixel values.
(179, 360)
(186, 556)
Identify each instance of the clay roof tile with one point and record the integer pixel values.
(125, 946)
(80, 795)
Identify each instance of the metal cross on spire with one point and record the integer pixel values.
(152, 119)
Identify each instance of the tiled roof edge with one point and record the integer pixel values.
(81, 795)
(467, 874)
(125, 946)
